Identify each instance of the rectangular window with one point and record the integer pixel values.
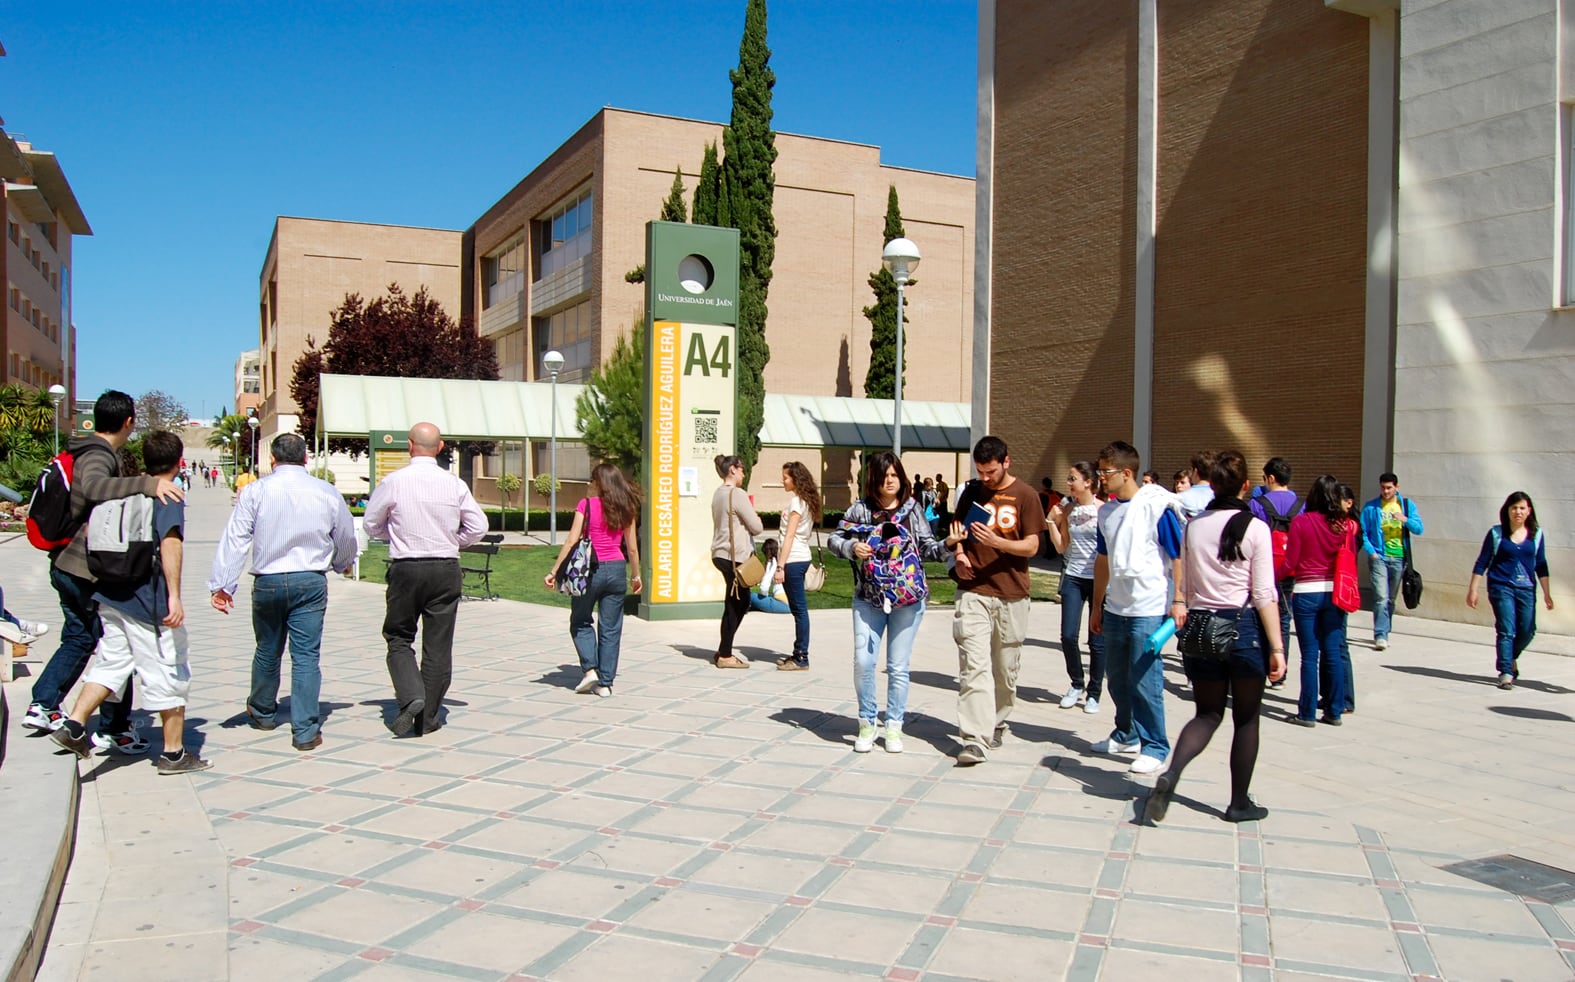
(574, 462)
(503, 273)
(15, 232)
(569, 333)
(565, 234)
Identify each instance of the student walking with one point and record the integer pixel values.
(1227, 573)
(144, 634)
(427, 516)
(1387, 521)
(1317, 536)
(607, 517)
(1074, 533)
(735, 526)
(1137, 550)
(802, 515)
(884, 521)
(1513, 560)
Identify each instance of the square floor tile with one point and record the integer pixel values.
(974, 954)
(849, 936)
(502, 944)
(624, 959)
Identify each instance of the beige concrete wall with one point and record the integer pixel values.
(315, 263)
(43, 346)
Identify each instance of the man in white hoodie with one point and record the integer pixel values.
(1138, 552)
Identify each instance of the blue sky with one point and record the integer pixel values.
(186, 127)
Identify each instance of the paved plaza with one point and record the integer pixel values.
(716, 825)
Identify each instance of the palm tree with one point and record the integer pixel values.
(27, 409)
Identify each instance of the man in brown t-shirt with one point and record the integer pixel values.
(992, 595)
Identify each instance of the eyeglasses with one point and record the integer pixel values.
(1108, 473)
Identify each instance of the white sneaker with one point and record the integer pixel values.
(603, 692)
(893, 738)
(1146, 764)
(586, 684)
(1110, 746)
(1091, 705)
(43, 720)
(1380, 644)
(36, 628)
(1072, 696)
(865, 742)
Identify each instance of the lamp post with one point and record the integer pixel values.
(235, 455)
(229, 445)
(901, 257)
(254, 422)
(57, 392)
(552, 361)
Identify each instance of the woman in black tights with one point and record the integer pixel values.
(1228, 571)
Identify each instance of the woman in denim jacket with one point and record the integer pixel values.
(886, 492)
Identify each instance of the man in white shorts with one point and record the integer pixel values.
(144, 633)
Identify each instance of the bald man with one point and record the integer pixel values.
(426, 515)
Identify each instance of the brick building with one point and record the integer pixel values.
(1335, 230)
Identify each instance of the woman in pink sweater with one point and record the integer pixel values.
(1316, 538)
(1227, 566)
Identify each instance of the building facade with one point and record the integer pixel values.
(545, 268)
(248, 381)
(1333, 230)
(42, 215)
(310, 266)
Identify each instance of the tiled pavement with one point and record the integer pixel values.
(715, 825)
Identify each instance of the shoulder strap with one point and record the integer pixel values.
(1496, 536)
(1270, 509)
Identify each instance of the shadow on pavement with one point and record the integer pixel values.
(838, 729)
(564, 677)
(1439, 673)
(1521, 712)
(1096, 781)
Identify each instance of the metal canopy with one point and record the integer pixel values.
(355, 405)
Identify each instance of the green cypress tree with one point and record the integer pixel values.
(880, 380)
(706, 188)
(672, 211)
(611, 410)
(749, 185)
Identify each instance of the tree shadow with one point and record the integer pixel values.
(1439, 673)
(1522, 712)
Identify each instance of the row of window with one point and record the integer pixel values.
(574, 462)
(560, 237)
(568, 332)
(45, 325)
(25, 243)
(24, 371)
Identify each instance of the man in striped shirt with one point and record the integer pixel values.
(426, 515)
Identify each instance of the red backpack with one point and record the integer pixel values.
(51, 524)
(1279, 528)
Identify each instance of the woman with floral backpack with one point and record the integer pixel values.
(885, 537)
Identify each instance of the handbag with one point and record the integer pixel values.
(574, 576)
(748, 574)
(1347, 592)
(1208, 634)
(815, 576)
(1410, 579)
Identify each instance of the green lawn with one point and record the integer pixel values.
(517, 572)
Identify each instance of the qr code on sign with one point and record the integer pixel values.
(705, 429)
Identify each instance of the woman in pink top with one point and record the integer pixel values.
(607, 516)
(1317, 535)
(1227, 566)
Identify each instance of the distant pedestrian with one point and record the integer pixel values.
(1317, 536)
(296, 528)
(1277, 504)
(1514, 560)
(1198, 493)
(735, 526)
(1388, 522)
(1151, 477)
(1180, 481)
(1074, 532)
(801, 517)
(607, 517)
(427, 515)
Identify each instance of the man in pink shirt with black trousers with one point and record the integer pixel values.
(426, 515)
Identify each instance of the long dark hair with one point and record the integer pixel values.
(804, 487)
(620, 499)
(1515, 499)
(875, 476)
(1324, 499)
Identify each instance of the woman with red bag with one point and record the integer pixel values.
(1321, 555)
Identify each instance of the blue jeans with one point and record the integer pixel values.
(80, 630)
(1320, 634)
(798, 603)
(1515, 618)
(900, 626)
(1137, 683)
(289, 606)
(6, 615)
(597, 644)
(1075, 595)
(1385, 573)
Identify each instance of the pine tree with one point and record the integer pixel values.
(879, 381)
(706, 188)
(611, 410)
(748, 189)
(673, 208)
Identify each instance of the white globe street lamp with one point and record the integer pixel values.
(901, 257)
(254, 422)
(552, 361)
(57, 392)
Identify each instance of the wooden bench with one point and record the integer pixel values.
(475, 563)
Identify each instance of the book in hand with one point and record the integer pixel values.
(977, 513)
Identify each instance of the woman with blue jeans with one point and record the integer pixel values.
(607, 517)
(1074, 532)
(801, 517)
(1317, 536)
(1514, 560)
(887, 495)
